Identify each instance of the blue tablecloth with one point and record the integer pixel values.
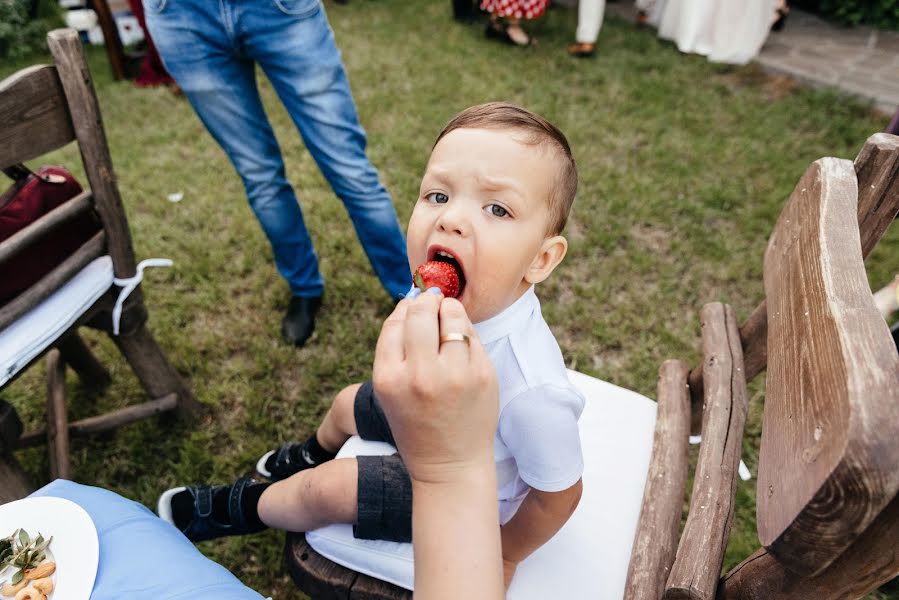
(144, 558)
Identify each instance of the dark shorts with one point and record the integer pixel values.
(384, 488)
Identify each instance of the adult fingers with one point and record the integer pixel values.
(421, 333)
(454, 321)
(389, 348)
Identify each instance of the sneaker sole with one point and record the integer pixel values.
(164, 504)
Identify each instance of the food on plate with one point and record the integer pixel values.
(9, 589)
(438, 273)
(27, 556)
(45, 569)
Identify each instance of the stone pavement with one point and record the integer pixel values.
(861, 61)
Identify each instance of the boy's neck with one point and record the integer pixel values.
(506, 308)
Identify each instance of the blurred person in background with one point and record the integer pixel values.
(506, 17)
(212, 49)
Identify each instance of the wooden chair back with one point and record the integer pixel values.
(829, 453)
(827, 488)
(43, 108)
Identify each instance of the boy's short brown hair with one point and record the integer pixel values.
(502, 115)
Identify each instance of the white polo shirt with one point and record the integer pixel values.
(537, 444)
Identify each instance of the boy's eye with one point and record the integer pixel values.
(496, 210)
(437, 198)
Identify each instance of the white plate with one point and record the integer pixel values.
(75, 547)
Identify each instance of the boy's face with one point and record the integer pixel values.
(484, 200)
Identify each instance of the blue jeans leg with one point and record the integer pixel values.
(297, 51)
(197, 43)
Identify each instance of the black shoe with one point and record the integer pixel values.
(781, 20)
(192, 510)
(464, 12)
(287, 460)
(299, 322)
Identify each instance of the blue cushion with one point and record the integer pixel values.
(141, 556)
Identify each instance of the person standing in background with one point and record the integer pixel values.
(211, 49)
(589, 21)
(506, 16)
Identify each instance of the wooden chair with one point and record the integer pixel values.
(828, 512)
(827, 504)
(43, 108)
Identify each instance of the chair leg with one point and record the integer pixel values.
(57, 418)
(13, 483)
(154, 371)
(78, 355)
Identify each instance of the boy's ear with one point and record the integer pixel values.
(551, 253)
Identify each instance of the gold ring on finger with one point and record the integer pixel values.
(455, 337)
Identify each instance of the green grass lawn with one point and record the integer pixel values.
(684, 168)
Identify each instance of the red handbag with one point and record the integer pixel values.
(30, 197)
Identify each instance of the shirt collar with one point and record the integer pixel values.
(508, 320)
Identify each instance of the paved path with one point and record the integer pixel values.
(859, 60)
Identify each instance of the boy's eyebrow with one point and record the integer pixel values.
(487, 182)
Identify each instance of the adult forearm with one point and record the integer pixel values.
(457, 519)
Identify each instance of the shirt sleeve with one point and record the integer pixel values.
(539, 427)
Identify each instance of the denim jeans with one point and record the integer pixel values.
(211, 48)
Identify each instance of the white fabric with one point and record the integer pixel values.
(591, 552)
(731, 31)
(129, 284)
(30, 335)
(589, 20)
(534, 396)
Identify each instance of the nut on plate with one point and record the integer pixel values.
(45, 569)
(9, 589)
(43, 585)
(30, 593)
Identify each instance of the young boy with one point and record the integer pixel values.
(494, 199)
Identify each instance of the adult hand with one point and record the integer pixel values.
(441, 399)
(442, 403)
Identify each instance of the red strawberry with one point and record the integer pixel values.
(438, 274)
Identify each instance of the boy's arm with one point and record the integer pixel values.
(539, 517)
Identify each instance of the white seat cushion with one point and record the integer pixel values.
(34, 331)
(591, 552)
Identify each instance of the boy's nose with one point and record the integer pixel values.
(453, 221)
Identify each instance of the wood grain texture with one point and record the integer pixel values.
(868, 563)
(57, 417)
(697, 568)
(321, 578)
(113, 43)
(25, 237)
(79, 356)
(827, 465)
(154, 371)
(877, 172)
(33, 115)
(49, 283)
(655, 542)
(105, 422)
(88, 125)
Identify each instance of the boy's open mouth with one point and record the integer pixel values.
(440, 254)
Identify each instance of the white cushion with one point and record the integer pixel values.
(34, 331)
(591, 552)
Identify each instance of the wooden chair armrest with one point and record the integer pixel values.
(655, 542)
(697, 567)
(877, 170)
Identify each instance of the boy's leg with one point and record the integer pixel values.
(339, 423)
(336, 428)
(312, 498)
(374, 493)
